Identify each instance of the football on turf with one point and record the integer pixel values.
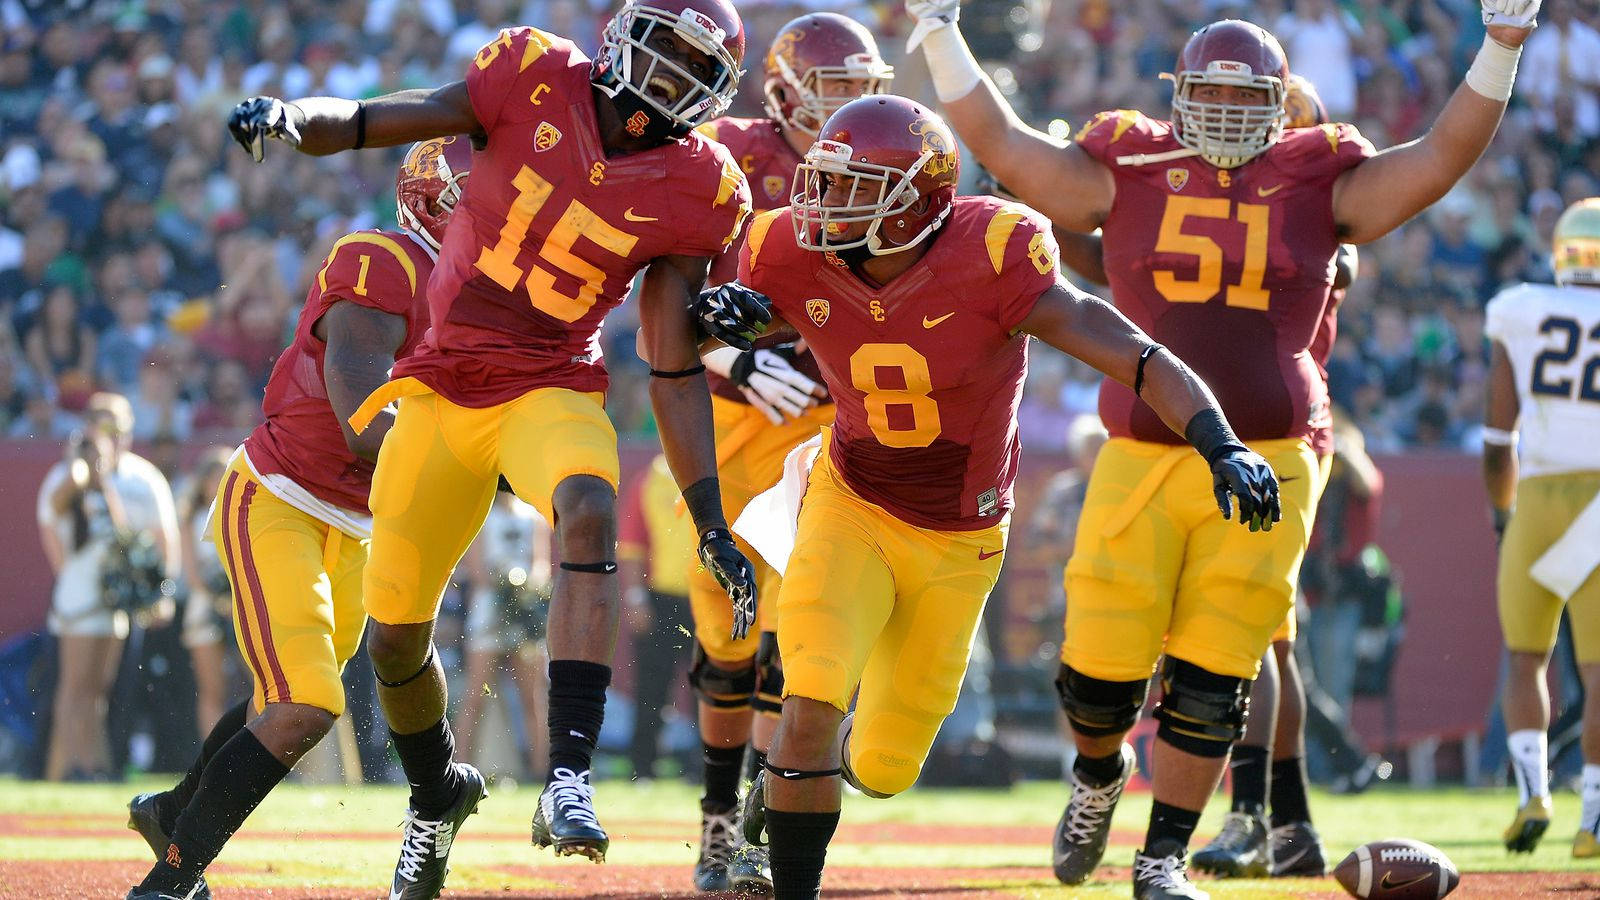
(1397, 869)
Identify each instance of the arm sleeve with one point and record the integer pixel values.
(371, 269)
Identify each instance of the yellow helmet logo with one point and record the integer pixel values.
(935, 140)
(1575, 245)
(423, 160)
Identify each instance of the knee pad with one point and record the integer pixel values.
(1097, 708)
(769, 677)
(1200, 712)
(721, 688)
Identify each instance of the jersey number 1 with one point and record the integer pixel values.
(1248, 293)
(500, 262)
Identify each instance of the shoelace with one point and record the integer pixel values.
(574, 794)
(1167, 872)
(1235, 834)
(1089, 807)
(717, 837)
(421, 834)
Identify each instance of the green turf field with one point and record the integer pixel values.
(327, 842)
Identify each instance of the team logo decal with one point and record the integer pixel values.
(783, 48)
(936, 140)
(637, 123)
(1177, 177)
(545, 136)
(818, 308)
(423, 161)
(773, 185)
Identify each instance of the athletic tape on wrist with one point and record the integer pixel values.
(1494, 69)
(1499, 437)
(954, 70)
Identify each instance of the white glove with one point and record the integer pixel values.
(932, 15)
(774, 386)
(1510, 13)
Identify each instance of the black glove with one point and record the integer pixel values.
(1502, 518)
(732, 313)
(259, 118)
(1244, 475)
(721, 557)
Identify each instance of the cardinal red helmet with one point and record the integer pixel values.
(429, 185)
(1238, 54)
(882, 160)
(810, 54)
(1302, 105)
(629, 63)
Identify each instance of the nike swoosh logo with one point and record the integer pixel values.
(1288, 478)
(1268, 192)
(929, 323)
(790, 773)
(628, 214)
(987, 554)
(1386, 884)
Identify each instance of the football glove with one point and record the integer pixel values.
(259, 118)
(721, 557)
(932, 15)
(1243, 475)
(1510, 13)
(732, 313)
(769, 380)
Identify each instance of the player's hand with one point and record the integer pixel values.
(1510, 21)
(721, 557)
(772, 384)
(1243, 475)
(732, 313)
(259, 118)
(930, 16)
(1502, 518)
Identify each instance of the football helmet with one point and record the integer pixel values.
(1302, 105)
(1229, 52)
(1575, 245)
(882, 160)
(808, 53)
(429, 184)
(657, 97)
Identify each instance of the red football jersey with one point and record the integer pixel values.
(301, 437)
(768, 163)
(1229, 268)
(926, 371)
(550, 231)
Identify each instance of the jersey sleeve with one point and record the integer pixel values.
(716, 209)
(1327, 150)
(1500, 319)
(1023, 255)
(370, 269)
(1115, 132)
(493, 74)
(752, 274)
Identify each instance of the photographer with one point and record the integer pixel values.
(110, 532)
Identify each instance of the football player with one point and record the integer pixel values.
(918, 306)
(1544, 493)
(1220, 231)
(590, 174)
(291, 523)
(765, 401)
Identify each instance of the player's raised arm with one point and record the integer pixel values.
(1056, 178)
(1094, 331)
(322, 125)
(1377, 196)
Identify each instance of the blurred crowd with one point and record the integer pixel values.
(141, 252)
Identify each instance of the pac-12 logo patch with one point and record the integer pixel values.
(773, 185)
(545, 137)
(1177, 177)
(818, 308)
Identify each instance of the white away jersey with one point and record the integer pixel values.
(1552, 336)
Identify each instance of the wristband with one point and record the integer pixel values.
(1138, 375)
(704, 501)
(678, 373)
(1499, 437)
(1209, 433)
(1494, 69)
(739, 372)
(954, 70)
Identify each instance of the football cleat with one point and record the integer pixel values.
(753, 812)
(566, 818)
(1161, 874)
(143, 818)
(1585, 845)
(425, 849)
(1085, 826)
(1529, 826)
(750, 872)
(137, 894)
(717, 841)
(1240, 849)
(1296, 851)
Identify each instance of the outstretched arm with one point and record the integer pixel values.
(323, 125)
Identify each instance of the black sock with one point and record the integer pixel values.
(170, 803)
(1249, 768)
(1098, 771)
(724, 765)
(427, 757)
(239, 777)
(577, 709)
(754, 763)
(1289, 804)
(1169, 823)
(799, 846)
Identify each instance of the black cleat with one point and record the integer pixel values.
(143, 818)
(751, 870)
(1240, 849)
(717, 837)
(425, 849)
(1160, 874)
(1297, 851)
(753, 814)
(566, 819)
(1085, 826)
(137, 894)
